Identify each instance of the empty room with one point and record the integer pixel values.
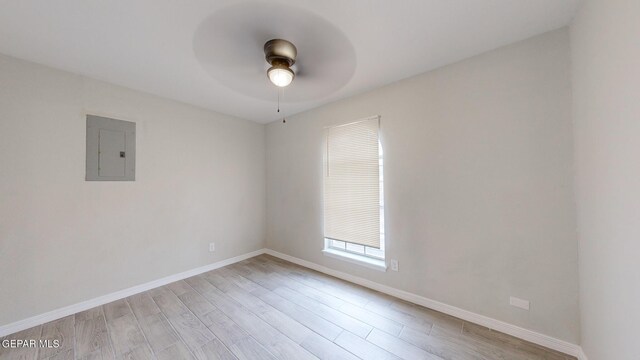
(337, 179)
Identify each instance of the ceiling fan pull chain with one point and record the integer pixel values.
(284, 121)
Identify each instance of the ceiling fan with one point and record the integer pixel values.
(281, 55)
(239, 44)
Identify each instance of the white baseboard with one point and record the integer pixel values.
(105, 299)
(582, 355)
(513, 330)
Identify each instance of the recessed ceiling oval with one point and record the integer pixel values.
(230, 47)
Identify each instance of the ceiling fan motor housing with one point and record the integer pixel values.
(280, 52)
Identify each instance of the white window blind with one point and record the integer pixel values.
(352, 183)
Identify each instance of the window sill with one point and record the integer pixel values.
(375, 264)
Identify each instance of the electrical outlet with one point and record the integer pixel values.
(519, 303)
(394, 264)
(212, 247)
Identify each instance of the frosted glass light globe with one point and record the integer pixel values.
(280, 76)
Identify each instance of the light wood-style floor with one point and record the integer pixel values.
(266, 308)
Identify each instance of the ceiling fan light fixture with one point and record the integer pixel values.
(280, 54)
(280, 75)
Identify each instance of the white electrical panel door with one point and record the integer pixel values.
(111, 149)
(112, 153)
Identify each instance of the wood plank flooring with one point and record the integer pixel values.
(267, 308)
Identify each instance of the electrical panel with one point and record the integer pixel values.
(111, 149)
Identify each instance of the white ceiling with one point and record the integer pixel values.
(209, 52)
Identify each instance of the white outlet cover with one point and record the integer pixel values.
(394, 265)
(519, 303)
(212, 247)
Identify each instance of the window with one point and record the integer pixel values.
(353, 192)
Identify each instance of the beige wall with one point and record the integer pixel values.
(478, 184)
(605, 41)
(200, 177)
